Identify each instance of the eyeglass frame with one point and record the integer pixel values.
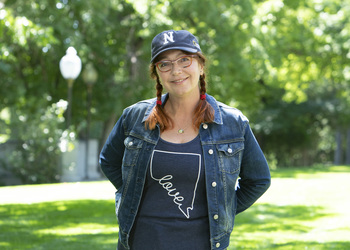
(174, 61)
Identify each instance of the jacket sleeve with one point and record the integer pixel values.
(255, 176)
(111, 156)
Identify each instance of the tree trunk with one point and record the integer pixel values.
(347, 161)
(338, 154)
(107, 128)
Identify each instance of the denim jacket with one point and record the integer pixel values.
(230, 153)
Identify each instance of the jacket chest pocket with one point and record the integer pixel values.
(132, 150)
(230, 155)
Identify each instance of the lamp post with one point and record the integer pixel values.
(90, 76)
(70, 67)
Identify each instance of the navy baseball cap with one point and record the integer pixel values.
(172, 39)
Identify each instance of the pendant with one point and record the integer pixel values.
(180, 131)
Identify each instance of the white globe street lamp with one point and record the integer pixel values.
(70, 67)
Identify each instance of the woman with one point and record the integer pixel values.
(175, 160)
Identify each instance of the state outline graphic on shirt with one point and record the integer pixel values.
(168, 186)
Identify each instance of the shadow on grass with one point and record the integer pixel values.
(91, 224)
(273, 218)
(266, 226)
(292, 172)
(82, 224)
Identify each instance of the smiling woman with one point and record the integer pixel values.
(179, 73)
(202, 111)
(175, 159)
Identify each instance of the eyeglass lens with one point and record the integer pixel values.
(183, 62)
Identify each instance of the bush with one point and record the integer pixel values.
(36, 158)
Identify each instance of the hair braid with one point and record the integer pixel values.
(158, 115)
(203, 112)
(203, 84)
(159, 88)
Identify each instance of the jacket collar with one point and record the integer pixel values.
(211, 100)
(217, 115)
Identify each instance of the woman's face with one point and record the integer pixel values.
(180, 81)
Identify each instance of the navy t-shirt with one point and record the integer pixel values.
(173, 213)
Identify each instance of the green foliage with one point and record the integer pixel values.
(35, 37)
(104, 33)
(283, 63)
(37, 155)
(289, 131)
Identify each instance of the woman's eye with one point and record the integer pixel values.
(184, 59)
(164, 64)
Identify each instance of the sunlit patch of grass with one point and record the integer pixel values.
(264, 225)
(27, 194)
(77, 229)
(308, 172)
(48, 226)
(304, 208)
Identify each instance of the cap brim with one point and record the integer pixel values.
(191, 50)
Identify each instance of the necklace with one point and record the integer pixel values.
(182, 130)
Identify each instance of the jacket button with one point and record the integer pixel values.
(205, 126)
(217, 245)
(229, 150)
(213, 184)
(216, 217)
(210, 151)
(130, 143)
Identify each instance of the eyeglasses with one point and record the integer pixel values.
(183, 62)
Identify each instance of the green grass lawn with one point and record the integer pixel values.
(303, 209)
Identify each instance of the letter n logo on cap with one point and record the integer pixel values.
(168, 37)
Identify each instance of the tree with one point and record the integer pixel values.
(36, 34)
(283, 63)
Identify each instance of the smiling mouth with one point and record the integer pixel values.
(180, 80)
